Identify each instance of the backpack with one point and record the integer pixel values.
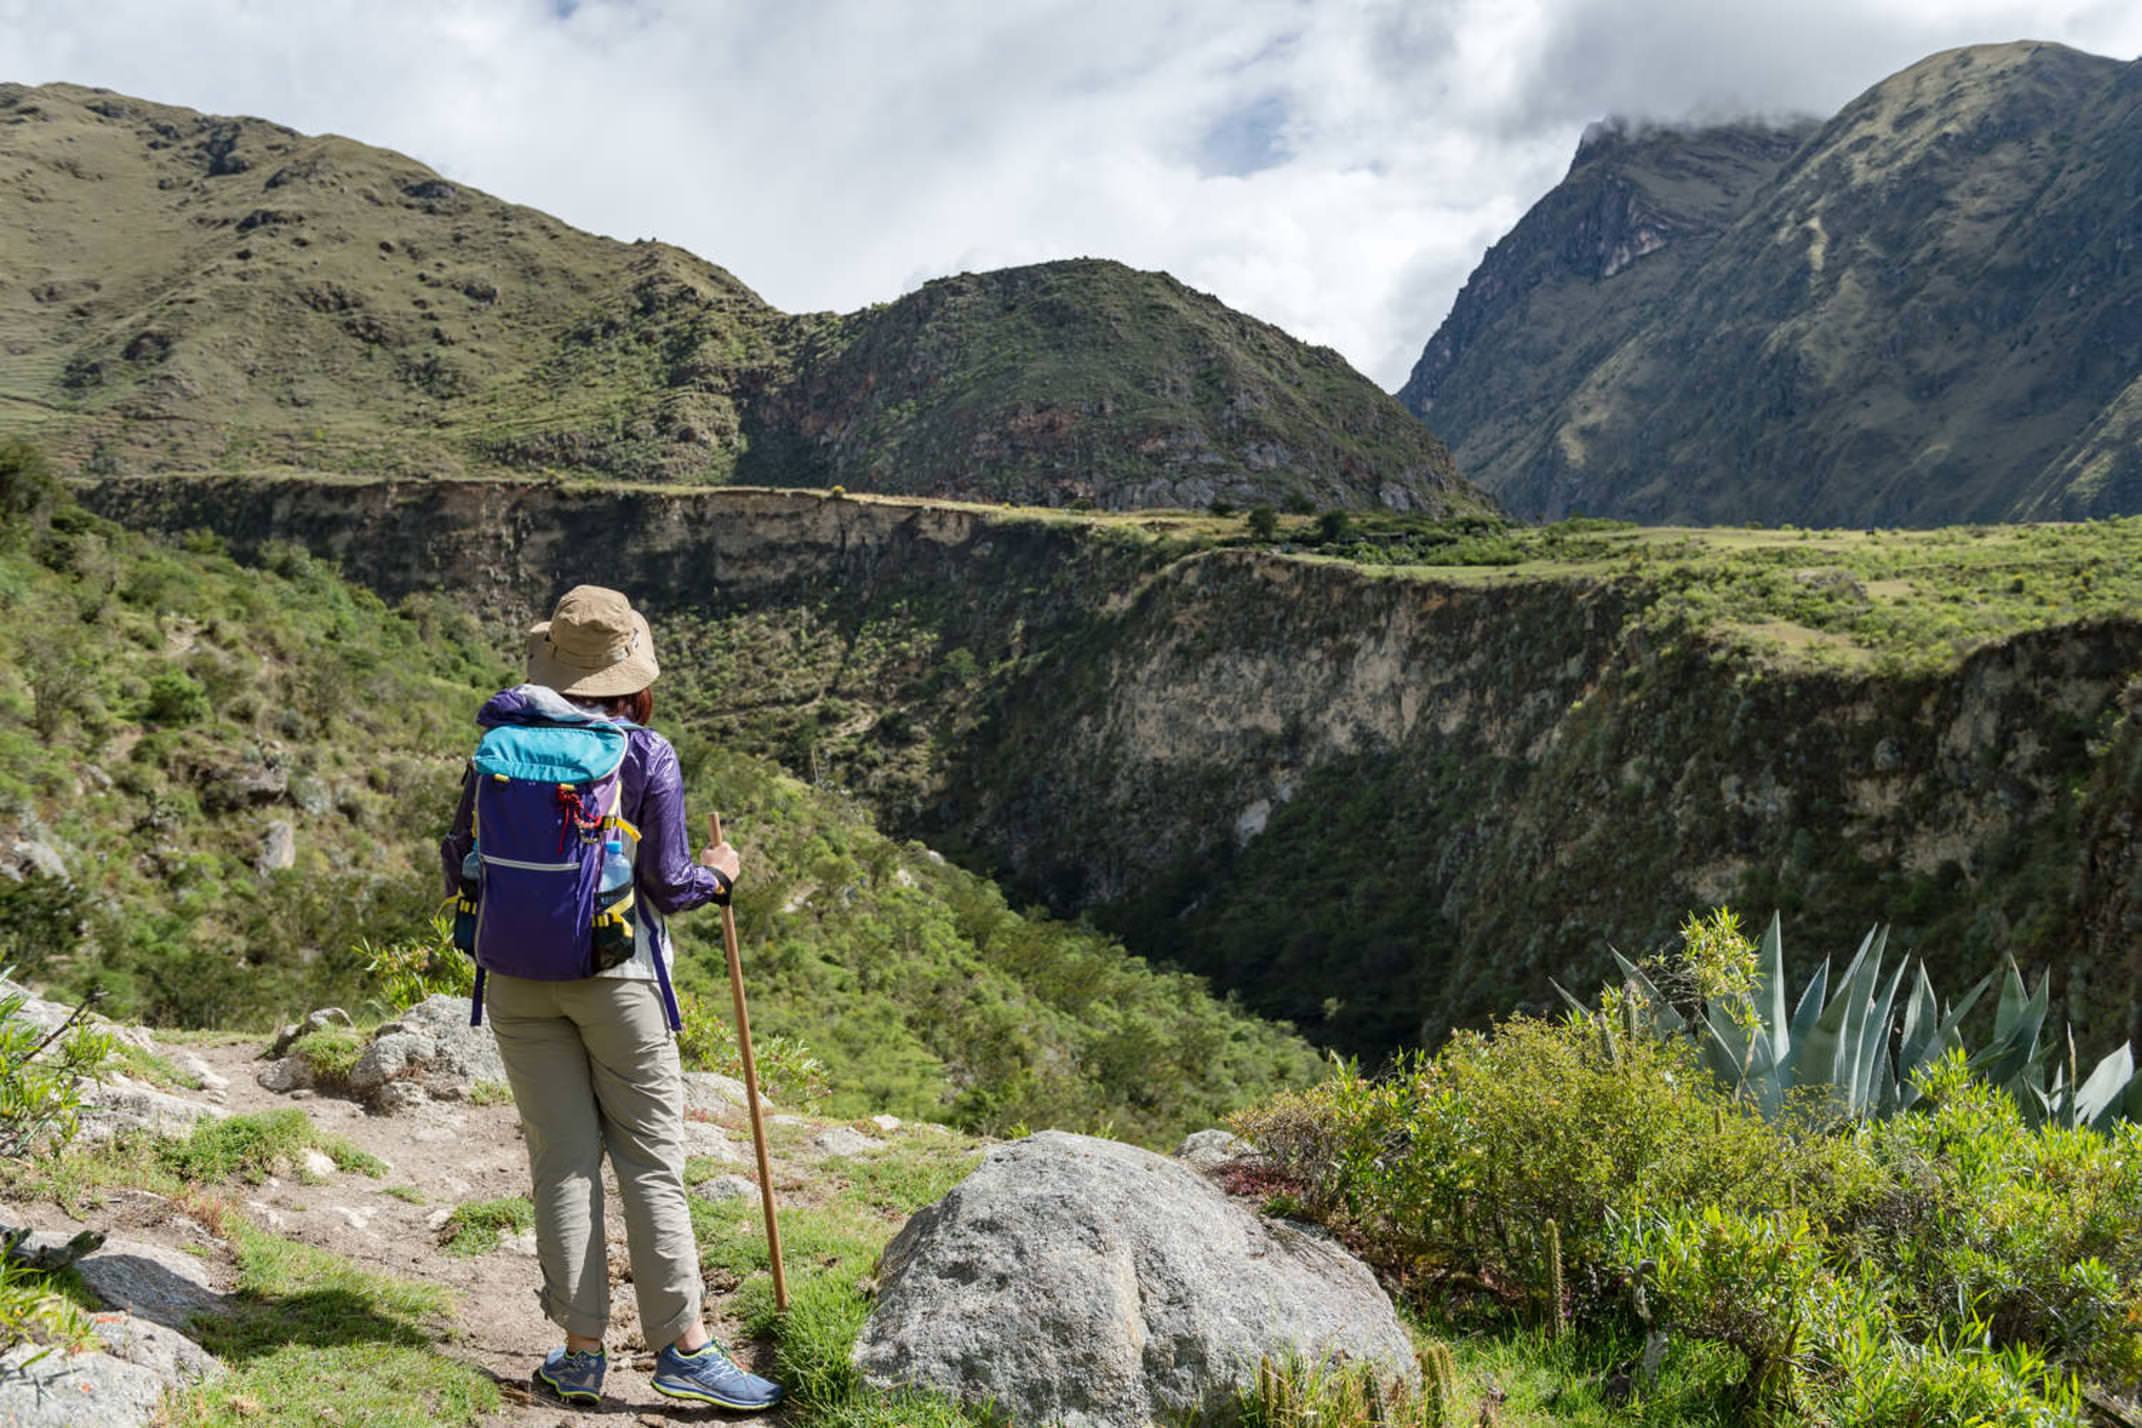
(547, 890)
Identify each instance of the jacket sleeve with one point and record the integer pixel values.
(668, 876)
(460, 837)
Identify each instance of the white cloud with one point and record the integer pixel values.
(1334, 166)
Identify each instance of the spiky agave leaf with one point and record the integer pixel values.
(2101, 1098)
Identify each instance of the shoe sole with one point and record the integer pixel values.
(697, 1396)
(568, 1395)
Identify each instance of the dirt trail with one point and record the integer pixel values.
(448, 1153)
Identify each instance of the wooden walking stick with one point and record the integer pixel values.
(751, 1082)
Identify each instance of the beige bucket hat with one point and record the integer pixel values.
(593, 646)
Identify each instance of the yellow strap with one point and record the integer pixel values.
(616, 822)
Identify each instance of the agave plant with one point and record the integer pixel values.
(1863, 1051)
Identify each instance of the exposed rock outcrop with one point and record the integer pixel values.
(1079, 1281)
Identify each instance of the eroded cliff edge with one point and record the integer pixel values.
(1376, 803)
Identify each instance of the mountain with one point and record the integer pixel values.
(1928, 311)
(1581, 272)
(181, 291)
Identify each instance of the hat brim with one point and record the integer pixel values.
(629, 675)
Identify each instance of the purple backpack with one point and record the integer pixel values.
(547, 890)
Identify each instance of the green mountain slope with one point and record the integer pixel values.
(1088, 380)
(1930, 314)
(242, 771)
(189, 292)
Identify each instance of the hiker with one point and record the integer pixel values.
(586, 1029)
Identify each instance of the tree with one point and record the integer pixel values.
(1263, 522)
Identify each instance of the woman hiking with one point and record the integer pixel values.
(572, 970)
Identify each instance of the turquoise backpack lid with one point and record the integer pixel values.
(551, 753)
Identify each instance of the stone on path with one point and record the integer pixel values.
(1094, 1284)
(725, 1187)
(845, 1140)
(433, 1046)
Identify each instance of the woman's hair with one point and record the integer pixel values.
(639, 708)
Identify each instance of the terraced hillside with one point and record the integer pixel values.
(181, 291)
(1930, 313)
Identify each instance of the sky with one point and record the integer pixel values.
(1334, 166)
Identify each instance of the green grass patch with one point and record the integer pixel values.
(490, 1093)
(332, 1052)
(253, 1147)
(317, 1340)
(146, 1065)
(477, 1226)
(407, 1194)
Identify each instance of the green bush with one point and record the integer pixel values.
(1263, 522)
(410, 969)
(41, 1076)
(1457, 1161)
(174, 700)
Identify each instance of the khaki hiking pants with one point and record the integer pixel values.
(593, 1066)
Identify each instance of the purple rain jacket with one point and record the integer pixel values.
(650, 797)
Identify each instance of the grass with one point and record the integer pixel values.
(490, 1093)
(407, 1194)
(316, 1340)
(478, 1226)
(830, 1248)
(252, 1147)
(332, 1052)
(238, 1149)
(160, 1071)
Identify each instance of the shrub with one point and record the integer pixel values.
(1455, 1162)
(410, 969)
(1263, 522)
(41, 1075)
(1333, 527)
(28, 488)
(174, 699)
(788, 1074)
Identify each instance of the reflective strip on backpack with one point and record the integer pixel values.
(572, 867)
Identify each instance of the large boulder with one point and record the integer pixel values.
(1097, 1285)
(432, 1045)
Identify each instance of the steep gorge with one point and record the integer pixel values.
(1378, 803)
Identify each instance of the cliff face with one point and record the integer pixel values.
(1372, 802)
(1929, 314)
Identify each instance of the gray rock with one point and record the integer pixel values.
(714, 1094)
(1084, 1282)
(1208, 1150)
(163, 1286)
(725, 1187)
(310, 795)
(192, 1064)
(433, 1044)
(110, 1108)
(712, 1142)
(291, 1034)
(175, 1359)
(278, 847)
(91, 1390)
(34, 855)
(845, 1140)
(291, 1073)
(318, 1163)
(398, 1097)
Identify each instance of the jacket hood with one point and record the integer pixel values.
(535, 704)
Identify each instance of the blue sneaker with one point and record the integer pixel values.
(574, 1377)
(711, 1376)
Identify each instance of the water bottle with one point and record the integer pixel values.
(616, 867)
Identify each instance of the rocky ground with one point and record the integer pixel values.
(447, 1139)
(341, 1215)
